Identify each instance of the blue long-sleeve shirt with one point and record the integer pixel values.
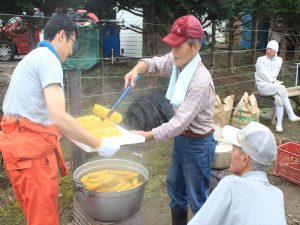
(246, 200)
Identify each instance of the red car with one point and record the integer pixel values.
(14, 36)
(14, 39)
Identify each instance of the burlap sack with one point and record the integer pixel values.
(245, 111)
(223, 110)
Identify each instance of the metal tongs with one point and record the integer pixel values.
(121, 97)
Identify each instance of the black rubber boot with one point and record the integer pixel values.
(179, 217)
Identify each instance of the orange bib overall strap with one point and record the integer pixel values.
(31, 153)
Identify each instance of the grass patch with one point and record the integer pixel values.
(11, 214)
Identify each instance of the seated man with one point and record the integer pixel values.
(246, 198)
(267, 70)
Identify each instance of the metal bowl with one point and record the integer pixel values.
(222, 156)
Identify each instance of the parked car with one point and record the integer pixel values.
(14, 38)
(14, 35)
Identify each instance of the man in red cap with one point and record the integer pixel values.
(192, 94)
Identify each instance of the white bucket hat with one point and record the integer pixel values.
(255, 139)
(273, 45)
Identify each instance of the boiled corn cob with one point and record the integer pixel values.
(112, 180)
(102, 112)
(98, 127)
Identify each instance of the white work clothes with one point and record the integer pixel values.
(246, 200)
(266, 74)
(267, 69)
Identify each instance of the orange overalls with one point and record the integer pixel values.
(31, 154)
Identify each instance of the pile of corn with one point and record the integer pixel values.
(102, 112)
(111, 180)
(98, 127)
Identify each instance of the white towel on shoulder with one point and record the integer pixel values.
(178, 87)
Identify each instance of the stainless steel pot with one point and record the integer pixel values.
(109, 206)
(222, 156)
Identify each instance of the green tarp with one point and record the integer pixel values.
(87, 53)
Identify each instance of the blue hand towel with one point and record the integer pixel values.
(49, 46)
(178, 87)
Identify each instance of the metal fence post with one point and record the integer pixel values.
(297, 80)
(75, 109)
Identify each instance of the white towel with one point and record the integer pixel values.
(178, 87)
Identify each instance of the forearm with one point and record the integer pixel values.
(263, 71)
(263, 74)
(141, 67)
(69, 126)
(147, 134)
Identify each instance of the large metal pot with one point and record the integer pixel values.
(109, 206)
(222, 156)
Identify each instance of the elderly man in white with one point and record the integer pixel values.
(247, 197)
(267, 70)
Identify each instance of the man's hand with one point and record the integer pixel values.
(140, 68)
(130, 77)
(108, 147)
(278, 82)
(147, 134)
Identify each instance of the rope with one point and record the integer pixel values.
(242, 118)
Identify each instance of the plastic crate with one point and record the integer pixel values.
(288, 162)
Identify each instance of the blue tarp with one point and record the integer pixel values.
(262, 36)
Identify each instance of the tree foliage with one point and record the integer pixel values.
(157, 12)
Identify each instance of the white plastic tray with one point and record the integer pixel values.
(126, 138)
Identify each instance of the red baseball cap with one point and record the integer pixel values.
(184, 28)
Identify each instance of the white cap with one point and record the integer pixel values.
(255, 139)
(273, 45)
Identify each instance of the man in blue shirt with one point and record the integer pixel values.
(246, 198)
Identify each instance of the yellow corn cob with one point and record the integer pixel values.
(98, 127)
(121, 172)
(112, 180)
(84, 179)
(102, 111)
(118, 186)
(89, 122)
(134, 181)
(131, 176)
(136, 185)
(108, 179)
(92, 187)
(95, 180)
(124, 187)
(97, 174)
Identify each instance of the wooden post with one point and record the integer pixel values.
(101, 46)
(75, 108)
(101, 54)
